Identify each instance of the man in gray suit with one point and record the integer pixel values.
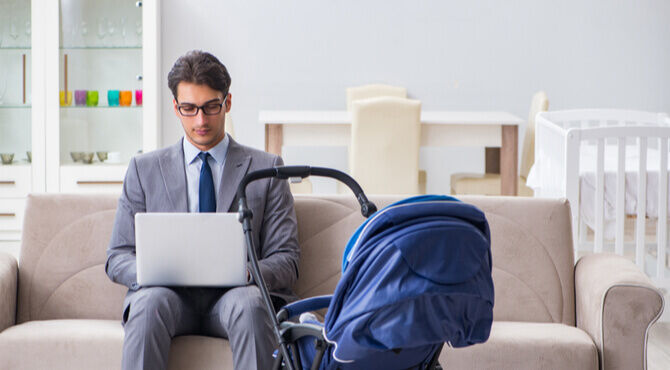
(200, 174)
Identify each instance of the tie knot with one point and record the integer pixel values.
(203, 156)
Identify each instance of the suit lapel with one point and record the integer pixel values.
(174, 175)
(236, 166)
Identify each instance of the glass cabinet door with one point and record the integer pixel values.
(15, 61)
(100, 67)
(15, 119)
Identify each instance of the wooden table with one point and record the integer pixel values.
(438, 128)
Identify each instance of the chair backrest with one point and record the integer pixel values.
(303, 187)
(373, 91)
(229, 128)
(65, 237)
(539, 103)
(384, 149)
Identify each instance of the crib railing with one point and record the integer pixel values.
(560, 138)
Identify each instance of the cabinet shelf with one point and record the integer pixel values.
(111, 47)
(28, 106)
(95, 163)
(15, 47)
(100, 107)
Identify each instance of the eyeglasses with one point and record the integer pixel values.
(208, 109)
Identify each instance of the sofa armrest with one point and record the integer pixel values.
(9, 273)
(616, 304)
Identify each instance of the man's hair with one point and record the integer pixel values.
(200, 68)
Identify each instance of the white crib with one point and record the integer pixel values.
(610, 165)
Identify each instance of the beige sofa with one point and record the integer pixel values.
(58, 310)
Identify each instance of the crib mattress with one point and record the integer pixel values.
(587, 183)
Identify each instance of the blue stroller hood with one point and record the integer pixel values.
(415, 274)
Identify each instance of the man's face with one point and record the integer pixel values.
(204, 131)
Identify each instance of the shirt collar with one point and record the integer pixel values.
(218, 152)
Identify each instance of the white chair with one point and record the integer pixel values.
(384, 149)
(373, 91)
(489, 183)
(540, 103)
(303, 187)
(229, 126)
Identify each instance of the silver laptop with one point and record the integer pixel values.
(190, 249)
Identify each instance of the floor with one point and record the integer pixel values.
(658, 349)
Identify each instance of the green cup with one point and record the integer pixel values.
(91, 98)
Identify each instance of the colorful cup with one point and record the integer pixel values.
(113, 98)
(80, 97)
(126, 98)
(64, 102)
(138, 97)
(92, 98)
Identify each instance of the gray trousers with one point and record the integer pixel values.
(158, 314)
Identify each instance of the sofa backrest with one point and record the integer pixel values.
(61, 272)
(62, 259)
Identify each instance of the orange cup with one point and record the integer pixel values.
(125, 98)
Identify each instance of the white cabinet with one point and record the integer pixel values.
(16, 115)
(78, 78)
(11, 218)
(15, 184)
(101, 86)
(15, 180)
(83, 178)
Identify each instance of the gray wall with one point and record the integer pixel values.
(458, 55)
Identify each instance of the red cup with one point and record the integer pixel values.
(138, 97)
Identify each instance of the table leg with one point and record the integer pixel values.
(274, 138)
(509, 176)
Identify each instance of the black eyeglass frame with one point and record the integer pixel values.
(202, 107)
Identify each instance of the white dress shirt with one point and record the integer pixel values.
(193, 164)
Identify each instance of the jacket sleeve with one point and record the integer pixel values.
(121, 264)
(279, 237)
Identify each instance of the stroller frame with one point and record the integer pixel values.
(285, 331)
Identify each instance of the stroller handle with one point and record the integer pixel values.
(285, 172)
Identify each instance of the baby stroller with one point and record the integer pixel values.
(415, 275)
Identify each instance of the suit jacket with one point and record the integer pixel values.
(156, 182)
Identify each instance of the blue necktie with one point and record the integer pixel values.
(207, 202)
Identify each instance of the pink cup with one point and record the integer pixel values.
(138, 97)
(80, 97)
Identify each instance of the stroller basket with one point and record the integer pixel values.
(415, 275)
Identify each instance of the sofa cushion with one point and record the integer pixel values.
(533, 260)
(63, 254)
(97, 344)
(518, 346)
(62, 344)
(198, 352)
